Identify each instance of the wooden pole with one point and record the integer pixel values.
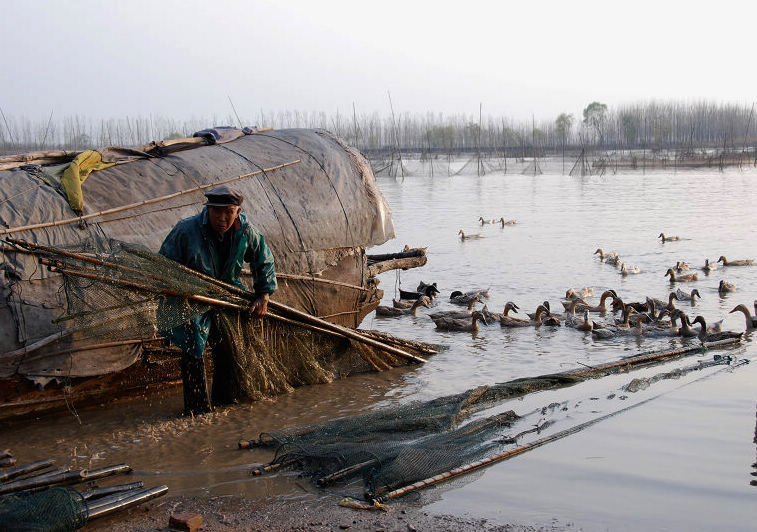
(142, 203)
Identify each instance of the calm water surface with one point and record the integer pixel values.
(680, 461)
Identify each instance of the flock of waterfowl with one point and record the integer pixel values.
(483, 222)
(651, 317)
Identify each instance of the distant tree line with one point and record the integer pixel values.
(647, 125)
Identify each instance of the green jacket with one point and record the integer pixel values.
(189, 243)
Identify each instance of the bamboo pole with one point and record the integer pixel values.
(344, 331)
(25, 468)
(98, 492)
(142, 203)
(134, 500)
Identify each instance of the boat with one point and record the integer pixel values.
(311, 195)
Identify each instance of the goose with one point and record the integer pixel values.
(603, 255)
(668, 238)
(670, 306)
(682, 266)
(707, 268)
(724, 287)
(545, 305)
(458, 298)
(751, 321)
(687, 278)
(624, 270)
(472, 236)
(683, 296)
(739, 262)
(391, 311)
(496, 316)
(706, 336)
(507, 222)
(464, 325)
(602, 307)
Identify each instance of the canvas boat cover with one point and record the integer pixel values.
(316, 215)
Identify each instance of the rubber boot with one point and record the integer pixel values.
(196, 399)
(222, 390)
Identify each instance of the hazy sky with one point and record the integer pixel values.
(180, 59)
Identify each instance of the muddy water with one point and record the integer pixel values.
(679, 461)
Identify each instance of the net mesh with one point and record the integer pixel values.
(116, 291)
(51, 510)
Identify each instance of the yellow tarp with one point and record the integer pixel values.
(74, 176)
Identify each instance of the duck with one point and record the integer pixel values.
(586, 325)
(602, 306)
(707, 268)
(669, 306)
(614, 261)
(497, 316)
(507, 222)
(458, 298)
(486, 221)
(463, 325)
(511, 321)
(603, 255)
(401, 303)
(683, 296)
(686, 330)
(472, 236)
(739, 262)
(428, 289)
(725, 287)
(392, 312)
(668, 238)
(751, 321)
(545, 305)
(706, 336)
(682, 266)
(570, 305)
(687, 278)
(625, 270)
(545, 318)
(413, 310)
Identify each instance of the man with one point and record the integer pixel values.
(216, 242)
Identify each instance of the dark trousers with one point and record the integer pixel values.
(196, 398)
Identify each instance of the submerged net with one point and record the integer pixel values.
(52, 510)
(117, 292)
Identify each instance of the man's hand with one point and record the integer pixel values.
(259, 306)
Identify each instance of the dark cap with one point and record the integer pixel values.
(223, 196)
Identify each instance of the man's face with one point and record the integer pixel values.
(222, 218)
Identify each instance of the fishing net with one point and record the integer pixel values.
(51, 510)
(117, 292)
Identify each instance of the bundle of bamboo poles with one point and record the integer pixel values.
(37, 476)
(154, 283)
